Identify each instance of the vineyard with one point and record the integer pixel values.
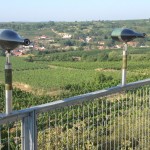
(117, 121)
(53, 78)
(42, 81)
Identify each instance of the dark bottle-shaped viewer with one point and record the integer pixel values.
(10, 39)
(125, 35)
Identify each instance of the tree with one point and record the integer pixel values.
(109, 43)
(103, 56)
(83, 44)
(29, 59)
(113, 56)
(2, 52)
(68, 43)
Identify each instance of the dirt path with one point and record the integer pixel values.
(22, 86)
(68, 68)
(27, 88)
(105, 70)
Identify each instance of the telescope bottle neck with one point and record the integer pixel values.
(125, 46)
(8, 57)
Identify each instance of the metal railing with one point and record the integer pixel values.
(114, 118)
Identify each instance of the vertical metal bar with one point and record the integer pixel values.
(129, 114)
(25, 134)
(118, 123)
(33, 131)
(133, 116)
(55, 128)
(73, 130)
(8, 84)
(16, 140)
(142, 119)
(0, 138)
(88, 127)
(43, 139)
(83, 125)
(103, 124)
(62, 137)
(93, 124)
(67, 131)
(125, 130)
(124, 65)
(106, 123)
(78, 130)
(140, 101)
(110, 126)
(136, 110)
(8, 142)
(114, 124)
(97, 125)
(22, 134)
(148, 116)
(122, 121)
(145, 115)
(49, 126)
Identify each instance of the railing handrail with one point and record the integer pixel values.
(17, 115)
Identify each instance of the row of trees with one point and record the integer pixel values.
(71, 56)
(95, 55)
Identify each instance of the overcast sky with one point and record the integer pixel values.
(73, 10)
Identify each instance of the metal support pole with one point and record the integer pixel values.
(29, 132)
(124, 64)
(8, 84)
(0, 139)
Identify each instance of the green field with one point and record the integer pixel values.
(53, 76)
(49, 76)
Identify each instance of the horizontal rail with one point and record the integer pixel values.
(17, 115)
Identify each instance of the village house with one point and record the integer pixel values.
(66, 36)
(132, 43)
(43, 37)
(101, 47)
(27, 47)
(117, 46)
(75, 58)
(88, 39)
(51, 40)
(81, 40)
(101, 43)
(17, 53)
(41, 48)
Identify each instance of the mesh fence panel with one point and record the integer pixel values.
(10, 136)
(119, 121)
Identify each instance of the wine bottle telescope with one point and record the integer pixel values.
(9, 40)
(125, 35)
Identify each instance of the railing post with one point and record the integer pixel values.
(29, 132)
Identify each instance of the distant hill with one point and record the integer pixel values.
(76, 35)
